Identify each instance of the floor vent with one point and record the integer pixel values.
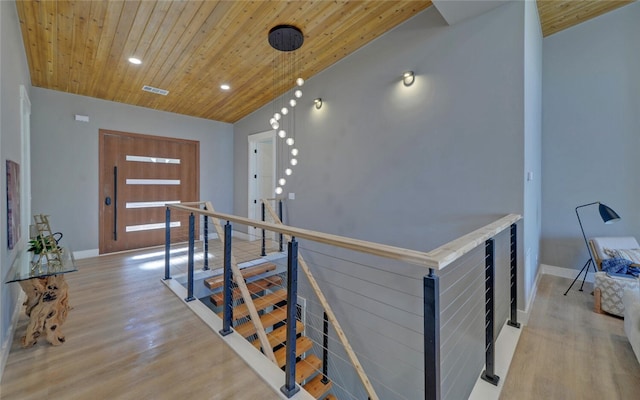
(154, 90)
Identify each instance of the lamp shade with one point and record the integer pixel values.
(608, 215)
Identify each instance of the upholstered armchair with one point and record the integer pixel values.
(609, 287)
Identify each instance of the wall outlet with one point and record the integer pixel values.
(292, 196)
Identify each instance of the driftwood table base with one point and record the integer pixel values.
(47, 306)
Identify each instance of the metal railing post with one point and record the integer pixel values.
(431, 290)
(167, 244)
(513, 321)
(489, 372)
(290, 388)
(192, 223)
(325, 350)
(227, 311)
(280, 216)
(263, 251)
(206, 242)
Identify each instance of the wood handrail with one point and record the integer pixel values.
(383, 250)
(436, 259)
(192, 203)
(453, 250)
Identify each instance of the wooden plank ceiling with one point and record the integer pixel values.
(557, 15)
(192, 47)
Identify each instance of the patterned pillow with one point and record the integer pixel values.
(629, 254)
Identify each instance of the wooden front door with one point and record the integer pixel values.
(138, 175)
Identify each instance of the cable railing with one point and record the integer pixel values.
(370, 319)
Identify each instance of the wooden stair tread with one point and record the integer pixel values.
(254, 287)
(269, 319)
(330, 397)
(306, 368)
(316, 387)
(279, 335)
(260, 303)
(303, 344)
(217, 281)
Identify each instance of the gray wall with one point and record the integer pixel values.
(532, 149)
(13, 73)
(591, 104)
(414, 166)
(417, 166)
(65, 157)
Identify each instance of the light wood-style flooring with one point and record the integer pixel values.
(569, 352)
(128, 337)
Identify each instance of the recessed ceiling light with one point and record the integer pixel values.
(225, 87)
(134, 60)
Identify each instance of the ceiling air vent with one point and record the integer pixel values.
(154, 90)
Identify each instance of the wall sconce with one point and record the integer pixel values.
(318, 103)
(408, 78)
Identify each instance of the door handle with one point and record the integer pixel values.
(115, 203)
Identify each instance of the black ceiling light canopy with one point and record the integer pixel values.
(286, 38)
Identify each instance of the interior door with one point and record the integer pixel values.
(262, 174)
(139, 174)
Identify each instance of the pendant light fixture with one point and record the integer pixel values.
(286, 39)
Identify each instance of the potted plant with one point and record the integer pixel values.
(41, 244)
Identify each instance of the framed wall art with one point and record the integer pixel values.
(13, 203)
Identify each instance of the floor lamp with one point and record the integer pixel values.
(608, 217)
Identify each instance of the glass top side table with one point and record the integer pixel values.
(47, 293)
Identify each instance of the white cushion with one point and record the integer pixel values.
(628, 254)
(613, 242)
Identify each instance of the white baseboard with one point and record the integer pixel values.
(505, 347)
(211, 236)
(565, 273)
(523, 315)
(242, 235)
(85, 254)
(6, 346)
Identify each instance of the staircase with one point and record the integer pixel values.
(272, 308)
